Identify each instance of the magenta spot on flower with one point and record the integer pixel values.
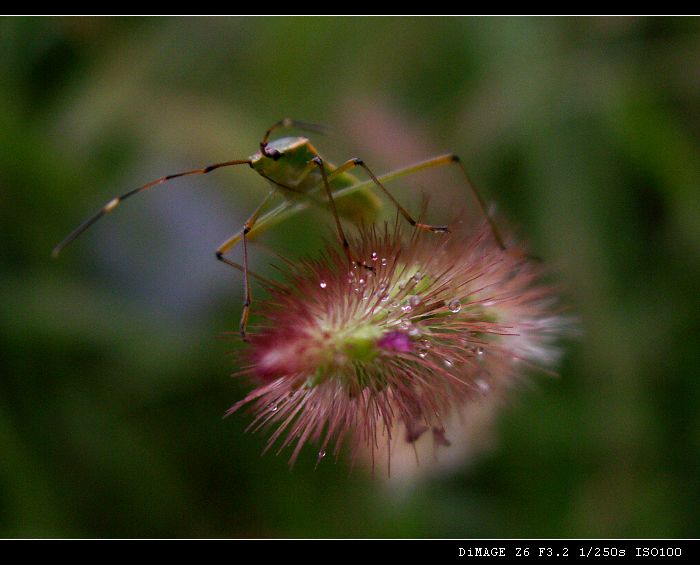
(395, 341)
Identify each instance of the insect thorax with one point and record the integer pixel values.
(292, 170)
(291, 167)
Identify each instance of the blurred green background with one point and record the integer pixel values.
(113, 380)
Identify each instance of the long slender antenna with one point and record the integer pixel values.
(112, 204)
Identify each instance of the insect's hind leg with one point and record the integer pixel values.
(228, 245)
(477, 196)
(442, 160)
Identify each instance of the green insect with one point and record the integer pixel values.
(296, 170)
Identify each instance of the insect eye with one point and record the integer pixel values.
(273, 154)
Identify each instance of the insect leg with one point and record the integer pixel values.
(289, 209)
(112, 204)
(341, 234)
(356, 162)
(452, 158)
(230, 244)
(439, 161)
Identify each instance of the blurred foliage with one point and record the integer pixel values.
(113, 382)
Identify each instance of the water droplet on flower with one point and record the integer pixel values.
(414, 330)
(454, 306)
(405, 325)
(272, 407)
(414, 300)
(424, 347)
(406, 306)
(375, 256)
(448, 364)
(322, 454)
(385, 298)
(482, 384)
(418, 276)
(323, 284)
(384, 261)
(480, 352)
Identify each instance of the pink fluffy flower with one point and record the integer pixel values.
(351, 356)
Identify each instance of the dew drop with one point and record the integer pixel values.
(406, 306)
(454, 306)
(384, 261)
(272, 407)
(323, 284)
(448, 363)
(375, 256)
(322, 454)
(385, 298)
(482, 384)
(405, 325)
(414, 300)
(418, 276)
(480, 352)
(413, 331)
(424, 347)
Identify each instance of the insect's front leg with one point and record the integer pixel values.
(228, 245)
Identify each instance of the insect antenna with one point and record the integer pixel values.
(112, 204)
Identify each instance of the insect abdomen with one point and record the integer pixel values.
(358, 207)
